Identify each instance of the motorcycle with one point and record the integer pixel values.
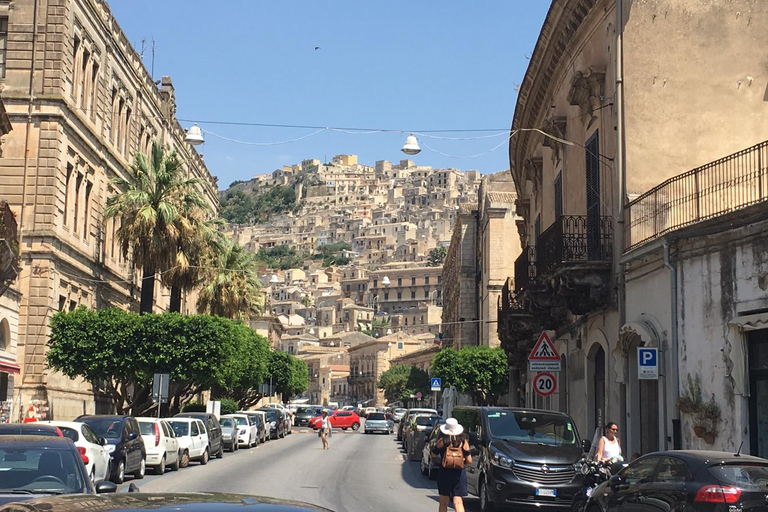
(594, 474)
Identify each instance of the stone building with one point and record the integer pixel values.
(611, 97)
(82, 104)
(460, 302)
(394, 289)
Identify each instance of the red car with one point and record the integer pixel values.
(339, 419)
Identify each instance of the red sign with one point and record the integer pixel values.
(544, 384)
(544, 350)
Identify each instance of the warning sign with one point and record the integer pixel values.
(544, 356)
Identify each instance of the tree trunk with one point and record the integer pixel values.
(175, 306)
(147, 290)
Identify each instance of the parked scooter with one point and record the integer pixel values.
(594, 473)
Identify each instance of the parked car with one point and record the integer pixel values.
(229, 435)
(430, 463)
(377, 422)
(276, 422)
(34, 466)
(262, 424)
(304, 413)
(398, 413)
(161, 444)
(414, 443)
(522, 457)
(405, 415)
(213, 428)
(408, 424)
(286, 412)
(29, 429)
(193, 440)
(247, 430)
(89, 445)
(124, 444)
(369, 410)
(339, 419)
(686, 480)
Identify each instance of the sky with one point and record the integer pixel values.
(383, 69)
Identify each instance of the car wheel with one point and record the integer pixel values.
(220, 453)
(139, 474)
(205, 457)
(119, 477)
(282, 435)
(344, 428)
(248, 444)
(579, 504)
(485, 503)
(160, 469)
(175, 466)
(355, 426)
(185, 459)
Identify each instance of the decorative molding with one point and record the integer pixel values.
(587, 91)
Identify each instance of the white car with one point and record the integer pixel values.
(193, 440)
(161, 444)
(247, 430)
(90, 446)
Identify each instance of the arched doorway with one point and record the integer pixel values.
(598, 388)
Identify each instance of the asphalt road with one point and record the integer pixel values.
(359, 472)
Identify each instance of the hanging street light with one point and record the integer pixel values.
(411, 146)
(195, 136)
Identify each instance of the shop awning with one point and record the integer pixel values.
(9, 367)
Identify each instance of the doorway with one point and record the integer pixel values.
(643, 409)
(757, 343)
(599, 389)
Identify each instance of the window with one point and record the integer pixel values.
(72, 305)
(672, 470)
(3, 44)
(413, 281)
(399, 295)
(400, 345)
(195, 430)
(375, 281)
(399, 281)
(439, 279)
(426, 280)
(641, 471)
(426, 294)
(413, 294)
(87, 204)
(537, 227)
(67, 193)
(386, 295)
(559, 195)
(62, 302)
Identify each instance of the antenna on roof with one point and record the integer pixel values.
(738, 453)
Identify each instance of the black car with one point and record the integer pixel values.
(276, 421)
(525, 458)
(304, 413)
(124, 442)
(214, 430)
(701, 481)
(29, 429)
(41, 465)
(171, 502)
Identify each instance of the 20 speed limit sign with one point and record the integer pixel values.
(544, 384)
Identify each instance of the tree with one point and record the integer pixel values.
(233, 289)
(237, 207)
(149, 207)
(289, 374)
(249, 369)
(402, 381)
(436, 256)
(481, 372)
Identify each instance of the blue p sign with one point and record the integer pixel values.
(647, 357)
(647, 363)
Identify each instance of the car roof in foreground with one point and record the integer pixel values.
(170, 502)
(712, 457)
(33, 441)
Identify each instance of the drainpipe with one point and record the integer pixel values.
(673, 313)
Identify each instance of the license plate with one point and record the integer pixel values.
(550, 493)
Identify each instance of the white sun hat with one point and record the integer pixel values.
(451, 427)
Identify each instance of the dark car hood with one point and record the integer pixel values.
(538, 454)
(14, 498)
(171, 502)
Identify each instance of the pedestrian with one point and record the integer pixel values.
(609, 446)
(453, 448)
(325, 429)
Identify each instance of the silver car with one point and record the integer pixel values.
(378, 422)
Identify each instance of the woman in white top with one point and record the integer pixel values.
(609, 446)
(325, 428)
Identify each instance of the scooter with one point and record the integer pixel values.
(594, 474)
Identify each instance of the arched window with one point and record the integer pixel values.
(5, 335)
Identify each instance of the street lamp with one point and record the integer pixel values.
(194, 136)
(411, 146)
(273, 279)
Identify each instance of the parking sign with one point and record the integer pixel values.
(647, 363)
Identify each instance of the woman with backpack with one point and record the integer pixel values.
(453, 448)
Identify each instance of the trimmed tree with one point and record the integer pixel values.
(289, 374)
(402, 381)
(481, 372)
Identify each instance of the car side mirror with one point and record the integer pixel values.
(105, 486)
(132, 436)
(102, 441)
(586, 445)
(617, 483)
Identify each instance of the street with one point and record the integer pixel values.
(359, 472)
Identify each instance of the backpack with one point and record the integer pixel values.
(454, 456)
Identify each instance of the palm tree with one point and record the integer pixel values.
(232, 290)
(150, 207)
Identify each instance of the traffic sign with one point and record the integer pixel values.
(418, 395)
(435, 384)
(160, 387)
(544, 356)
(544, 384)
(647, 363)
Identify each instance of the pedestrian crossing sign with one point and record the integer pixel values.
(544, 356)
(435, 384)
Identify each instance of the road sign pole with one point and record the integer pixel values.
(160, 396)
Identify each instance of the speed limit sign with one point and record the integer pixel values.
(544, 384)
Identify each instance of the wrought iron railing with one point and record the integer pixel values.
(717, 188)
(574, 238)
(525, 268)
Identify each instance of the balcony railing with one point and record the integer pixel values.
(574, 238)
(525, 268)
(717, 188)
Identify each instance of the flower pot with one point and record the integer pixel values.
(709, 437)
(699, 431)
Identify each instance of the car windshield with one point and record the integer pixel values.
(241, 421)
(534, 428)
(271, 414)
(70, 432)
(400, 410)
(376, 416)
(41, 470)
(426, 420)
(147, 428)
(180, 428)
(751, 475)
(227, 422)
(109, 428)
(305, 410)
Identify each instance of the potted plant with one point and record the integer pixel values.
(710, 415)
(690, 401)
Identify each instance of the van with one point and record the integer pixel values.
(524, 458)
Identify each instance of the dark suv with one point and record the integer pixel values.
(522, 457)
(124, 443)
(276, 420)
(214, 430)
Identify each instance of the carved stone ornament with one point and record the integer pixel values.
(533, 172)
(587, 89)
(556, 126)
